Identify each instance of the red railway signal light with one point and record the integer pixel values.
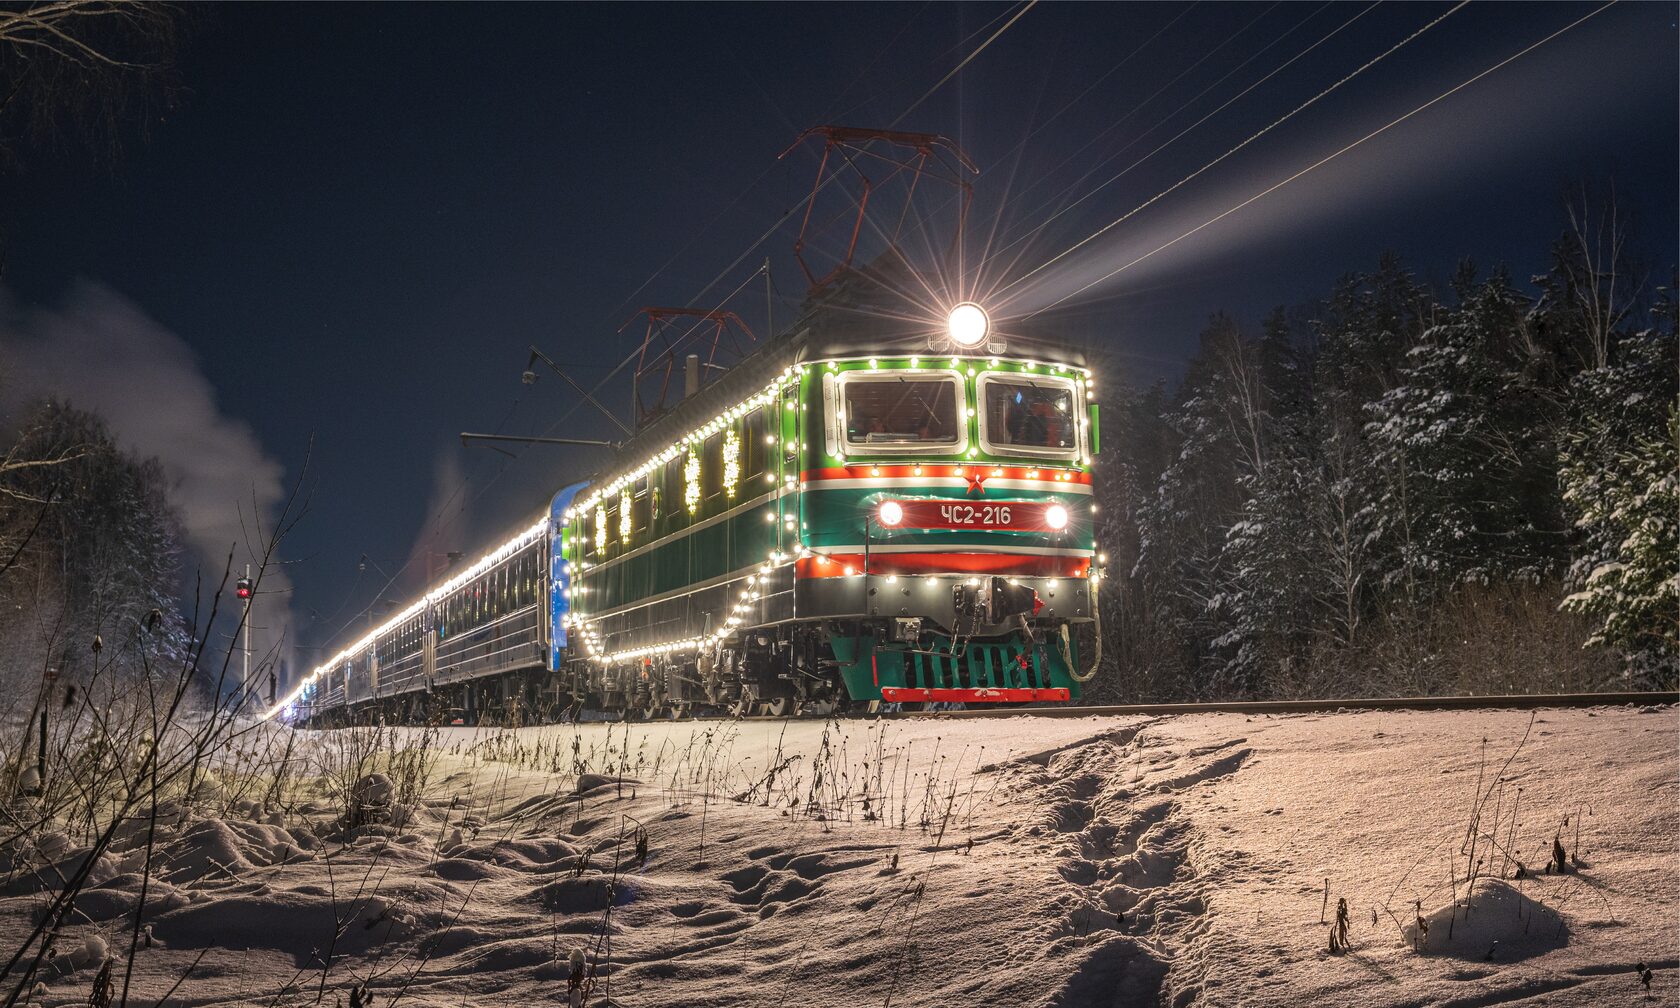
(242, 588)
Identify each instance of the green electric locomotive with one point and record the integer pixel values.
(880, 505)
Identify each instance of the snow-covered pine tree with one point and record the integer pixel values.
(1464, 444)
(1268, 609)
(1142, 660)
(1618, 471)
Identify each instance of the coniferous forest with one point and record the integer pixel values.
(1403, 491)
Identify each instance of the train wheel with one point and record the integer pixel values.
(781, 706)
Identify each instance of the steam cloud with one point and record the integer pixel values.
(99, 351)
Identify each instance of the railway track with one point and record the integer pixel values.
(1506, 702)
(1513, 701)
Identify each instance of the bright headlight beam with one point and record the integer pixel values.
(1056, 516)
(890, 513)
(967, 324)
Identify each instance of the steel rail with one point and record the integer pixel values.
(1515, 701)
(1509, 701)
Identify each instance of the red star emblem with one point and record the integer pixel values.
(976, 484)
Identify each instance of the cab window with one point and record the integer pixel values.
(887, 412)
(1034, 416)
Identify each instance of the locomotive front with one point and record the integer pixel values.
(946, 515)
(861, 512)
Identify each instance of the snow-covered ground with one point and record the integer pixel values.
(1019, 861)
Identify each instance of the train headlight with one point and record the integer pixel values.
(1056, 517)
(967, 324)
(890, 513)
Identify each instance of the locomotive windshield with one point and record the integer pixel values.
(892, 412)
(1034, 415)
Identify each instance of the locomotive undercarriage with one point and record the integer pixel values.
(780, 666)
(776, 670)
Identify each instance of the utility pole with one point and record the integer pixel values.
(246, 593)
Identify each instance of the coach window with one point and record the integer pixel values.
(754, 458)
(711, 475)
(889, 412)
(1028, 415)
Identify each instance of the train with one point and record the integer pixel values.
(881, 505)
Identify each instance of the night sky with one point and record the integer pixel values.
(357, 218)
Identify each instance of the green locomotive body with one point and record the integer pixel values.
(858, 512)
(838, 520)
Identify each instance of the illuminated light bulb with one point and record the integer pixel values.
(967, 324)
(974, 582)
(848, 571)
(958, 471)
(915, 362)
(997, 472)
(1032, 474)
(1056, 516)
(994, 362)
(1051, 584)
(917, 470)
(890, 513)
(1102, 558)
(769, 439)
(874, 470)
(955, 362)
(874, 364)
(769, 516)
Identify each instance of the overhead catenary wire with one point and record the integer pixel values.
(1193, 126)
(1111, 225)
(1030, 4)
(1207, 53)
(1329, 157)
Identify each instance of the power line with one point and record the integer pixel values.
(1111, 225)
(1182, 133)
(1030, 4)
(1330, 157)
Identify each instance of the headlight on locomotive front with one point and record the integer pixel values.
(1056, 516)
(890, 513)
(967, 324)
